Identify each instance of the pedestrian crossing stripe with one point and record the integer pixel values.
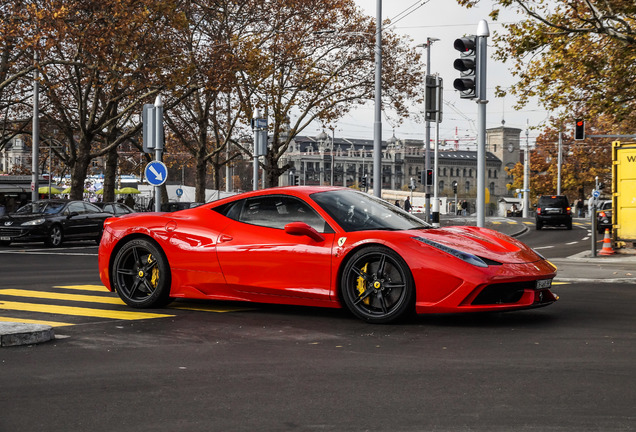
(99, 288)
(30, 321)
(61, 296)
(79, 311)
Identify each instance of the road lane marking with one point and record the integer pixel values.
(543, 247)
(571, 243)
(61, 296)
(30, 321)
(98, 288)
(79, 311)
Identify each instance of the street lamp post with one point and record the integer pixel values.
(526, 173)
(377, 125)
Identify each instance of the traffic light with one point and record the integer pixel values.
(455, 187)
(467, 65)
(579, 130)
(297, 180)
(363, 182)
(429, 177)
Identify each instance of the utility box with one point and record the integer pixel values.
(624, 197)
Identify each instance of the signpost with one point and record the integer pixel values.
(156, 171)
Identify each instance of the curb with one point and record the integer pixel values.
(15, 333)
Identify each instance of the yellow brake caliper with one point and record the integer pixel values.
(362, 286)
(154, 280)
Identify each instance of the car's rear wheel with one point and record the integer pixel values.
(55, 236)
(5, 243)
(377, 285)
(539, 225)
(141, 275)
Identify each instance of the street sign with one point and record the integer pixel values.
(179, 192)
(156, 173)
(596, 194)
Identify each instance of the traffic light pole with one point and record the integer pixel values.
(482, 35)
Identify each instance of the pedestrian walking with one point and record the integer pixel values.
(130, 201)
(580, 209)
(407, 205)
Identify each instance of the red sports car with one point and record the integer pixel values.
(319, 246)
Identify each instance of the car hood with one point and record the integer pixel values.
(483, 242)
(19, 218)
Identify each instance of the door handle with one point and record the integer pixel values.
(225, 238)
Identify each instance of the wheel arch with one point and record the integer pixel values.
(351, 252)
(128, 238)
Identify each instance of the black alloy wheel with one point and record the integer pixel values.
(55, 236)
(377, 285)
(140, 275)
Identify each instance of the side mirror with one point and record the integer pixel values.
(72, 214)
(301, 228)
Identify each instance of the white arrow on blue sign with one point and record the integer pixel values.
(156, 173)
(596, 194)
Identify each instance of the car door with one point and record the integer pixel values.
(94, 218)
(257, 256)
(73, 224)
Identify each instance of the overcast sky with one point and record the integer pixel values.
(445, 20)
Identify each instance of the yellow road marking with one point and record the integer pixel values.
(100, 288)
(560, 283)
(61, 296)
(78, 311)
(30, 321)
(528, 223)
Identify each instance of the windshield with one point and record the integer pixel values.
(41, 207)
(357, 211)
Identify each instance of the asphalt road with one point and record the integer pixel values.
(212, 366)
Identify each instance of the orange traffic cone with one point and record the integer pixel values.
(607, 244)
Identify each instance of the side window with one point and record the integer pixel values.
(76, 207)
(278, 211)
(92, 208)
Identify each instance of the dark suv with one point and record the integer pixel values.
(553, 210)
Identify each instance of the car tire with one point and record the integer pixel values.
(377, 285)
(55, 236)
(569, 225)
(140, 275)
(5, 243)
(539, 225)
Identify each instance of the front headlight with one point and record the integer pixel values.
(34, 222)
(464, 256)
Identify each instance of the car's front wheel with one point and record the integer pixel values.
(55, 236)
(377, 285)
(140, 274)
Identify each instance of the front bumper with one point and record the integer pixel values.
(23, 234)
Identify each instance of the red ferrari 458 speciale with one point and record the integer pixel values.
(319, 246)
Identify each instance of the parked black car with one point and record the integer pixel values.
(114, 208)
(553, 210)
(604, 216)
(175, 206)
(53, 221)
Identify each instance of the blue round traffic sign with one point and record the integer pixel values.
(596, 194)
(179, 192)
(156, 173)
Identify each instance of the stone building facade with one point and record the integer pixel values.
(402, 160)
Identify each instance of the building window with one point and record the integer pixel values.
(467, 187)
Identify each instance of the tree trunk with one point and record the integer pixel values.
(78, 176)
(110, 176)
(200, 177)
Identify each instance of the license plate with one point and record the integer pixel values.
(544, 283)
(5, 238)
